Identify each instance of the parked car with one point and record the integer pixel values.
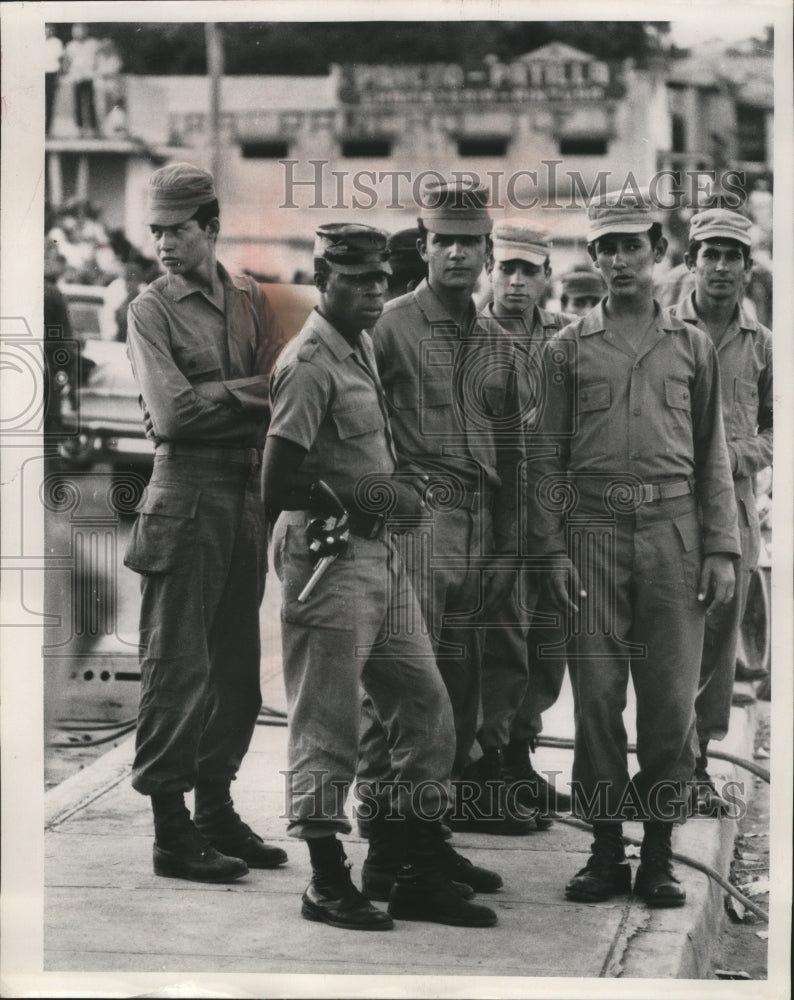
(107, 425)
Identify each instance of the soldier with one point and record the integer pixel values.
(581, 291)
(202, 343)
(719, 259)
(407, 267)
(450, 388)
(632, 408)
(361, 624)
(524, 658)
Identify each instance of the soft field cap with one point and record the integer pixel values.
(176, 191)
(581, 282)
(719, 223)
(514, 239)
(351, 248)
(620, 212)
(455, 209)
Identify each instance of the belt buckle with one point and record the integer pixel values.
(645, 492)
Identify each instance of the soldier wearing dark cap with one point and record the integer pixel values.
(202, 343)
(451, 393)
(582, 290)
(719, 260)
(524, 656)
(407, 266)
(636, 453)
(360, 624)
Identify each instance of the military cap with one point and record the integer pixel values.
(620, 212)
(403, 249)
(514, 239)
(455, 209)
(719, 223)
(176, 191)
(582, 282)
(351, 248)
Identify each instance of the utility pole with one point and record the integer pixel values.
(214, 43)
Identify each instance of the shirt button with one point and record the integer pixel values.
(637, 411)
(636, 454)
(637, 366)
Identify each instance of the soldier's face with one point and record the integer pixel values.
(184, 248)
(720, 270)
(453, 262)
(353, 302)
(626, 262)
(516, 285)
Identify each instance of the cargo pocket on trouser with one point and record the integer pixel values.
(164, 534)
(687, 530)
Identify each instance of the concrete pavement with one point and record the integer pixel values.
(107, 914)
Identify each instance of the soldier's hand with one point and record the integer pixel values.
(565, 587)
(327, 536)
(717, 582)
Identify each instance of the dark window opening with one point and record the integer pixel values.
(679, 134)
(366, 147)
(273, 150)
(482, 147)
(751, 133)
(583, 147)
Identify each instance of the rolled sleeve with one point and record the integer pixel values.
(300, 395)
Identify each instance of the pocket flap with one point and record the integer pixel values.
(436, 392)
(200, 361)
(169, 501)
(689, 532)
(403, 395)
(677, 394)
(351, 423)
(595, 396)
(745, 391)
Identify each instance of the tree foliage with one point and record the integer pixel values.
(310, 48)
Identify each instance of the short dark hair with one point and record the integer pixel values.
(655, 233)
(695, 245)
(205, 213)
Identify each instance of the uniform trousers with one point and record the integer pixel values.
(641, 618)
(523, 665)
(721, 641)
(199, 544)
(360, 628)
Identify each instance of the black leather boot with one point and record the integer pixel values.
(181, 851)
(483, 803)
(531, 788)
(216, 818)
(705, 800)
(655, 881)
(422, 891)
(331, 898)
(385, 857)
(607, 872)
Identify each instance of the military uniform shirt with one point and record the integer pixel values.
(178, 338)
(654, 415)
(745, 360)
(452, 399)
(326, 398)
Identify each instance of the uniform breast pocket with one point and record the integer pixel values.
(595, 396)
(200, 364)
(163, 537)
(354, 423)
(677, 395)
(745, 408)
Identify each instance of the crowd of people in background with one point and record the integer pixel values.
(89, 69)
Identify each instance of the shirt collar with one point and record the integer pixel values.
(432, 307)
(180, 287)
(330, 336)
(596, 322)
(686, 310)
